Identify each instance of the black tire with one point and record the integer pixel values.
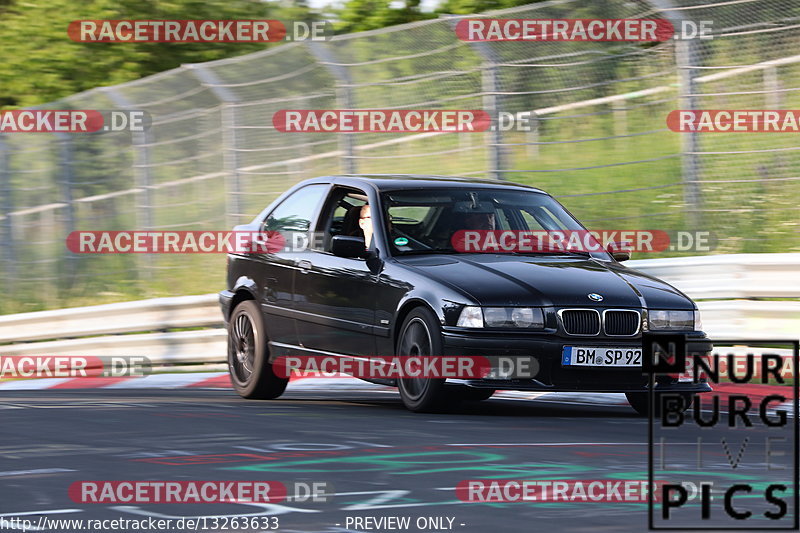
(420, 336)
(470, 394)
(248, 355)
(639, 401)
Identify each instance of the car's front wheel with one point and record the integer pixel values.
(251, 373)
(640, 401)
(420, 337)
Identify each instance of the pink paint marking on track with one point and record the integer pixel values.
(88, 383)
(217, 382)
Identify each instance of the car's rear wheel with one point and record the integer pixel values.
(420, 337)
(248, 355)
(640, 401)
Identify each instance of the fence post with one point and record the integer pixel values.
(492, 102)
(228, 116)
(620, 114)
(67, 161)
(772, 98)
(141, 140)
(344, 99)
(686, 61)
(142, 176)
(6, 223)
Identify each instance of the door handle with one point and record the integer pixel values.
(304, 266)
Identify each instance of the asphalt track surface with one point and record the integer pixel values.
(382, 460)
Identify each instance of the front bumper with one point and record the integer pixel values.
(225, 299)
(551, 375)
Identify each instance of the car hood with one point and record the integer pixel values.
(559, 281)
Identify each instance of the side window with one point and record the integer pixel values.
(296, 211)
(409, 214)
(504, 219)
(548, 219)
(541, 218)
(341, 216)
(532, 223)
(410, 220)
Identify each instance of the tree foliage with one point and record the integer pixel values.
(41, 64)
(362, 15)
(467, 7)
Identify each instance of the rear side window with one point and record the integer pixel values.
(296, 211)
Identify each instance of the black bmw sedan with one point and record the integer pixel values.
(381, 265)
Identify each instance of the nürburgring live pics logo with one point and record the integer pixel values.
(743, 435)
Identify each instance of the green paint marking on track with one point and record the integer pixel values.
(397, 462)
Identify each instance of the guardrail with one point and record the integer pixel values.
(730, 291)
(719, 283)
(129, 328)
(128, 317)
(728, 276)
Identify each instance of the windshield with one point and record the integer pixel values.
(438, 220)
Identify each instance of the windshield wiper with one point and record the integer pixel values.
(583, 253)
(430, 251)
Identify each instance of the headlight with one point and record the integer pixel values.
(495, 317)
(471, 317)
(501, 317)
(698, 324)
(661, 319)
(523, 317)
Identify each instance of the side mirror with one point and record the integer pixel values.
(346, 246)
(374, 261)
(620, 251)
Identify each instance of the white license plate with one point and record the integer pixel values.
(601, 356)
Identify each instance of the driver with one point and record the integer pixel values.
(471, 221)
(479, 221)
(365, 223)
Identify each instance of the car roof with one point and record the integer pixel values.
(394, 182)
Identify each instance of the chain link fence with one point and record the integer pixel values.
(212, 158)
